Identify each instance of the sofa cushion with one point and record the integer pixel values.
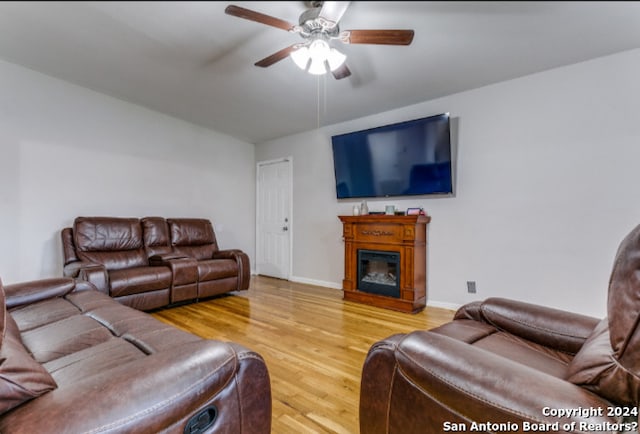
(215, 269)
(596, 368)
(488, 337)
(193, 237)
(64, 337)
(41, 313)
(155, 231)
(139, 280)
(115, 242)
(21, 377)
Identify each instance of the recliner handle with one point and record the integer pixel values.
(199, 422)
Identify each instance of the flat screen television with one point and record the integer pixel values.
(403, 159)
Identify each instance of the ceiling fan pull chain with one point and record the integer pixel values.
(324, 78)
(318, 99)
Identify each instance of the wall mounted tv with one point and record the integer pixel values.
(403, 159)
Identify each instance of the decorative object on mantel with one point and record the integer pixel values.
(364, 208)
(389, 210)
(385, 261)
(356, 210)
(415, 211)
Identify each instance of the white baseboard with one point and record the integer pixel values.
(334, 285)
(315, 282)
(443, 305)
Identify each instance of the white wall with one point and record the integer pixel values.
(547, 186)
(67, 151)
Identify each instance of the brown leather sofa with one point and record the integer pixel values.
(506, 366)
(73, 360)
(152, 262)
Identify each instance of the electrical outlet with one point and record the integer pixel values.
(471, 286)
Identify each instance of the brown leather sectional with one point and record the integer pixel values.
(152, 262)
(508, 366)
(73, 360)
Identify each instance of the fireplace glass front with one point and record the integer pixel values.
(379, 272)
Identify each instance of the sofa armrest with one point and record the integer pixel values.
(430, 380)
(33, 291)
(184, 270)
(97, 275)
(227, 254)
(76, 268)
(244, 269)
(72, 269)
(553, 328)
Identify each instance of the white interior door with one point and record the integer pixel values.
(273, 220)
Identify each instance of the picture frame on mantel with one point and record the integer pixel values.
(414, 211)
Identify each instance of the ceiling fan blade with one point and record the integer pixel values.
(248, 14)
(277, 56)
(381, 37)
(341, 72)
(333, 11)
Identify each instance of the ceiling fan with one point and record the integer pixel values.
(318, 26)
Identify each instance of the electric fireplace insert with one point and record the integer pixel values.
(379, 272)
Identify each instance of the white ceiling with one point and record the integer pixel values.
(192, 61)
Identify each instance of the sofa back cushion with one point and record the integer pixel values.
(609, 361)
(115, 242)
(193, 237)
(21, 377)
(155, 232)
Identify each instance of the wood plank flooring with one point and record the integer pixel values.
(313, 342)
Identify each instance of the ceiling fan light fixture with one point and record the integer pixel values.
(318, 57)
(317, 67)
(335, 59)
(301, 57)
(319, 25)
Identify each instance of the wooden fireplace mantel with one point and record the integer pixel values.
(406, 235)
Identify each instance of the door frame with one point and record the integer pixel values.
(288, 160)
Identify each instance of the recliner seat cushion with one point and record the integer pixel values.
(138, 280)
(66, 336)
(217, 269)
(487, 337)
(38, 314)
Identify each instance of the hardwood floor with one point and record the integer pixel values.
(313, 342)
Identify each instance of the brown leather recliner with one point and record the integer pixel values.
(506, 366)
(73, 360)
(152, 262)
